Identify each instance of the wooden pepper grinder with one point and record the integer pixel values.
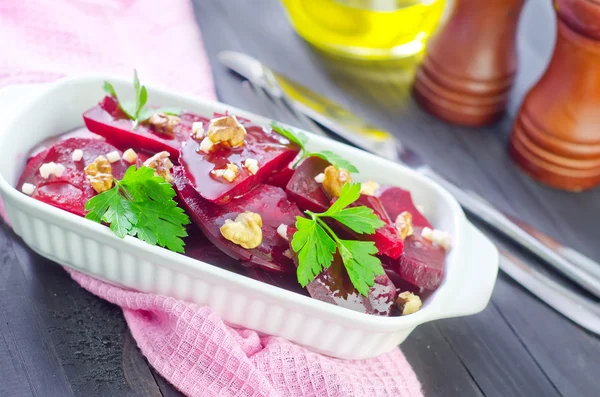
(470, 64)
(556, 137)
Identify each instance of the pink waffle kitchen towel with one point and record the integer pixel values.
(187, 344)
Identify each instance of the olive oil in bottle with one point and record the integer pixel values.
(366, 29)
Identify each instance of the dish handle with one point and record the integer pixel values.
(480, 274)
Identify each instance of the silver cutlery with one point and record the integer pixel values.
(578, 309)
(304, 104)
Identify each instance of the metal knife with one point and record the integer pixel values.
(579, 268)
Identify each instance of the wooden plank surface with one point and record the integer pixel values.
(58, 340)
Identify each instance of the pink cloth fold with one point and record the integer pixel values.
(187, 344)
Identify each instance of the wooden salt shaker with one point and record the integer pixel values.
(556, 137)
(470, 64)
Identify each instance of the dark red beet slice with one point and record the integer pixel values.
(197, 246)
(81, 132)
(396, 200)
(71, 190)
(268, 201)
(386, 237)
(302, 188)
(286, 281)
(334, 286)
(107, 120)
(281, 178)
(271, 150)
(421, 263)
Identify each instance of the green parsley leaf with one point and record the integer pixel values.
(349, 193)
(315, 242)
(142, 205)
(360, 262)
(360, 219)
(335, 159)
(300, 139)
(110, 90)
(135, 110)
(295, 137)
(315, 249)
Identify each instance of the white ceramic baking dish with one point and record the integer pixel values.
(91, 248)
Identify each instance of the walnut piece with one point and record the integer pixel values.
(335, 179)
(244, 231)
(369, 188)
(227, 131)
(162, 165)
(163, 123)
(99, 174)
(408, 303)
(404, 225)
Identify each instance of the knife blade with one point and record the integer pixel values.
(336, 118)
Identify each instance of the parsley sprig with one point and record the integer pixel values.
(300, 139)
(141, 204)
(135, 110)
(316, 243)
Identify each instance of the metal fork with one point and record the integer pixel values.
(577, 308)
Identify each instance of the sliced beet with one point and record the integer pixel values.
(80, 132)
(386, 238)
(304, 190)
(396, 200)
(421, 263)
(271, 150)
(281, 178)
(107, 119)
(334, 286)
(71, 190)
(286, 281)
(198, 247)
(268, 201)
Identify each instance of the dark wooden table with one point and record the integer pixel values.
(58, 340)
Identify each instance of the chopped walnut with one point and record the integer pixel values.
(227, 131)
(369, 188)
(335, 179)
(408, 303)
(163, 123)
(99, 174)
(404, 224)
(162, 165)
(244, 231)
(229, 173)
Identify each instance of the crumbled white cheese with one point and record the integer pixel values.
(206, 145)
(426, 233)
(197, 130)
(47, 169)
(229, 173)
(130, 156)
(59, 169)
(320, 178)
(28, 189)
(251, 165)
(441, 238)
(438, 237)
(77, 155)
(282, 231)
(113, 156)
